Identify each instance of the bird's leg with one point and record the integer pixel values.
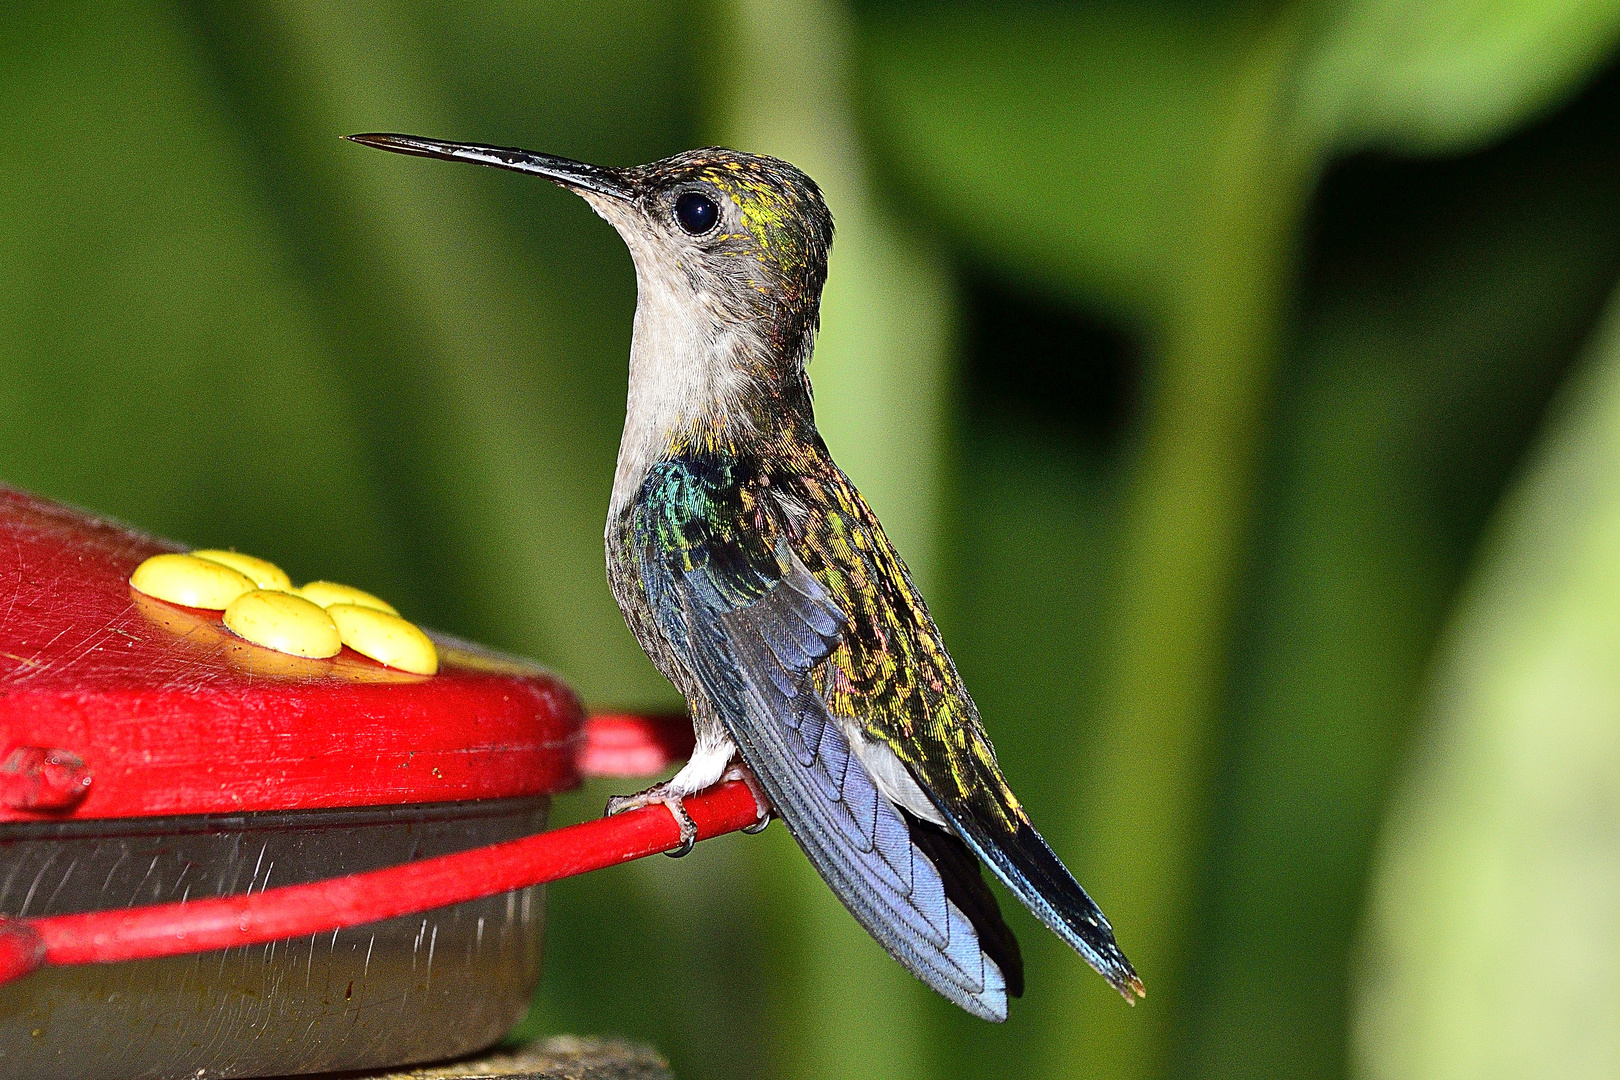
(739, 770)
(702, 770)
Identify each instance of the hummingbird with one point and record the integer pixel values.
(761, 584)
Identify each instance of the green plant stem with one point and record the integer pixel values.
(1142, 815)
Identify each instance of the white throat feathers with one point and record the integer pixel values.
(688, 357)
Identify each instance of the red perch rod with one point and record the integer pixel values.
(104, 937)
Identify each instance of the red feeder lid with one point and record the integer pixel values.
(114, 704)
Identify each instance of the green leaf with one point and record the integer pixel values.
(1447, 75)
(1060, 143)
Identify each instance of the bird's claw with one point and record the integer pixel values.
(737, 770)
(660, 795)
(688, 839)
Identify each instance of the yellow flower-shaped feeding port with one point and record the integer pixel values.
(387, 639)
(284, 622)
(327, 593)
(190, 581)
(266, 575)
(261, 606)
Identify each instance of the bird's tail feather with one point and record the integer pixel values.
(1004, 838)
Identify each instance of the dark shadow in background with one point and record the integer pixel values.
(1037, 362)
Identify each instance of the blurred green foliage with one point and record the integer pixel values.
(1186, 349)
(1492, 925)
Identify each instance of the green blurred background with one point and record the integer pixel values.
(1240, 379)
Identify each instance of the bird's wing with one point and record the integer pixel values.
(753, 625)
(890, 671)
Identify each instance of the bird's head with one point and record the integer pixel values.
(732, 246)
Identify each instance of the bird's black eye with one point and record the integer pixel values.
(696, 212)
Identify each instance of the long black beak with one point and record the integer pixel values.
(570, 174)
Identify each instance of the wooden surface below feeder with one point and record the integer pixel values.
(563, 1057)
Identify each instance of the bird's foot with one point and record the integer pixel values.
(738, 770)
(669, 795)
(661, 795)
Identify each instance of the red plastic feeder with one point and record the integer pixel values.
(220, 860)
